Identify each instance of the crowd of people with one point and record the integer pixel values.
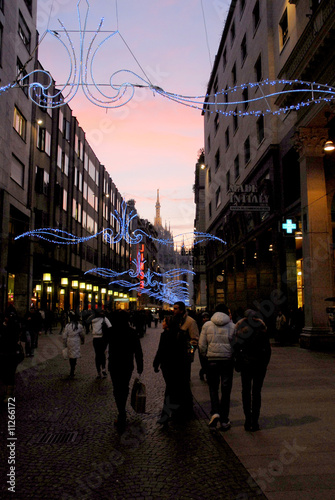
(224, 342)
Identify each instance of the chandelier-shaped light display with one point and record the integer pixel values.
(124, 221)
(82, 76)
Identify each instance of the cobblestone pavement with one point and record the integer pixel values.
(67, 446)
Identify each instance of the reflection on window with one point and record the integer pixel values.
(20, 123)
(17, 171)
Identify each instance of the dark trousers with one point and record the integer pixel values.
(100, 357)
(73, 362)
(252, 382)
(120, 380)
(220, 371)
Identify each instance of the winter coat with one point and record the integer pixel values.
(97, 326)
(73, 337)
(216, 336)
(124, 344)
(251, 343)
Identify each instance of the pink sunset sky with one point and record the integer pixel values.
(150, 143)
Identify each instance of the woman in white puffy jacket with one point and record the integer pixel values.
(215, 343)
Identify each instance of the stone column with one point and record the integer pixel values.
(316, 246)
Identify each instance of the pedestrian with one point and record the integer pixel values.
(123, 345)
(253, 352)
(9, 338)
(156, 318)
(215, 343)
(73, 337)
(97, 319)
(281, 327)
(31, 326)
(205, 316)
(167, 359)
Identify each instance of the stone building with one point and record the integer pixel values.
(269, 183)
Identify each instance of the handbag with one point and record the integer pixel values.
(65, 353)
(138, 396)
(19, 353)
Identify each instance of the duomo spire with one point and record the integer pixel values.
(158, 219)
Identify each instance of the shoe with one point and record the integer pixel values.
(104, 374)
(214, 420)
(225, 426)
(255, 427)
(247, 425)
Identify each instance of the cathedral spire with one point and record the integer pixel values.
(158, 219)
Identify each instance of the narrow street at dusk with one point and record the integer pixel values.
(67, 446)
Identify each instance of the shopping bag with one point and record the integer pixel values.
(138, 396)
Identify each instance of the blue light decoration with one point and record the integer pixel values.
(289, 226)
(151, 282)
(124, 220)
(82, 75)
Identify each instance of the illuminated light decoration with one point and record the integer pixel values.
(124, 220)
(82, 75)
(149, 282)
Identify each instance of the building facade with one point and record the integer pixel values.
(268, 178)
(50, 178)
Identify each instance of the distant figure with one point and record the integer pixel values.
(31, 325)
(123, 345)
(253, 350)
(215, 343)
(281, 327)
(9, 337)
(99, 343)
(73, 337)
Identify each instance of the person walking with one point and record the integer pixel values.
(205, 316)
(9, 338)
(98, 319)
(73, 336)
(123, 345)
(215, 343)
(253, 352)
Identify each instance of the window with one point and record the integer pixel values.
(39, 178)
(210, 209)
(258, 69)
(91, 170)
(20, 72)
(232, 32)
(65, 165)
(224, 59)
(227, 137)
(209, 176)
(247, 150)
(1, 5)
(61, 121)
(233, 74)
(243, 49)
(47, 148)
(65, 200)
(245, 98)
(28, 4)
(242, 5)
(260, 129)
(24, 32)
(228, 180)
(283, 29)
(66, 130)
(216, 86)
(41, 138)
(235, 120)
(255, 15)
(237, 167)
(218, 197)
(217, 160)
(216, 122)
(46, 178)
(59, 157)
(20, 123)
(17, 171)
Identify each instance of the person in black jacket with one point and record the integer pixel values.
(123, 344)
(9, 338)
(253, 351)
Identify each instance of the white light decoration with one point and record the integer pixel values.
(82, 76)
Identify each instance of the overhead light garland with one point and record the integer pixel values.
(124, 221)
(82, 76)
(162, 286)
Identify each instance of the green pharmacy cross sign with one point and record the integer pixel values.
(288, 225)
